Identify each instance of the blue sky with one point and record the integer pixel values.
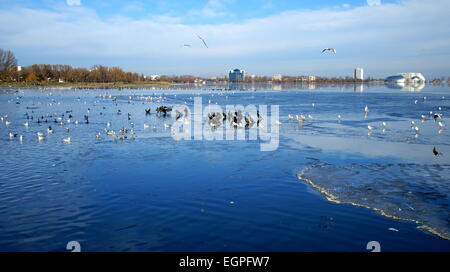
(263, 37)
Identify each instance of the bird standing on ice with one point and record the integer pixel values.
(300, 118)
(40, 136)
(436, 153)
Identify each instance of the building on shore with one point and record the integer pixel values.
(155, 77)
(308, 78)
(277, 77)
(406, 81)
(406, 78)
(236, 75)
(359, 73)
(395, 79)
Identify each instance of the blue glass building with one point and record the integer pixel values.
(236, 75)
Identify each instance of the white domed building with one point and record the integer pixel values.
(406, 78)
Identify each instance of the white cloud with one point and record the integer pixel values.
(373, 2)
(390, 37)
(212, 9)
(73, 2)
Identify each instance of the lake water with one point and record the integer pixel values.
(331, 185)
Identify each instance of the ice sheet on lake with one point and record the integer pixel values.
(418, 193)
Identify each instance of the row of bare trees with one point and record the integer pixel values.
(55, 73)
(10, 72)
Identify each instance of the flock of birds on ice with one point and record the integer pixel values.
(215, 119)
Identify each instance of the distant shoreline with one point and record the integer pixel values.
(165, 83)
(83, 84)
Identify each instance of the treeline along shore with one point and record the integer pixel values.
(98, 75)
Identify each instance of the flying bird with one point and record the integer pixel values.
(202, 41)
(329, 49)
(187, 45)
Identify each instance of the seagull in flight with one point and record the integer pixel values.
(202, 41)
(329, 49)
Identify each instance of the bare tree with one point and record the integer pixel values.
(7, 60)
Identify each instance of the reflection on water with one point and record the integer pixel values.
(359, 87)
(415, 86)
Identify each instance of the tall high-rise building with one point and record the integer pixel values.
(359, 73)
(236, 75)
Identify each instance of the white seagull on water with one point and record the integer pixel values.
(40, 136)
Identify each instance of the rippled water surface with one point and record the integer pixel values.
(331, 185)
